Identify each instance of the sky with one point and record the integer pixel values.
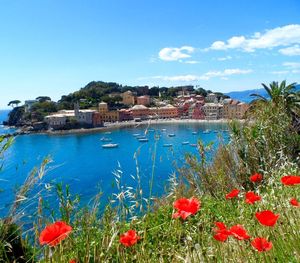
(55, 47)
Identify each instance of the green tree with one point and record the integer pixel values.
(43, 98)
(14, 103)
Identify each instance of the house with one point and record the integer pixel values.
(128, 98)
(143, 100)
(106, 114)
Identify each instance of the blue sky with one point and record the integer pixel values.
(55, 47)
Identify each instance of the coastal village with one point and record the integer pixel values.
(185, 106)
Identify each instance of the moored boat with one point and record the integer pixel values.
(110, 145)
(143, 140)
(185, 143)
(171, 135)
(167, 145)
(206, 131)
(193, 144)
(104, 139)
(194, 132)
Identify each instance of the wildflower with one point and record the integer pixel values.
(232, 194)
(290, 180)
(129, 238)
(186, 207)
(294, 202)
(267, 218)
(221, 232)
(72, 261)
(55, 233)
(256, 178)
(261, 244)
(239, 232)
(251, 198)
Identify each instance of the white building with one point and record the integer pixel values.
(213, 111)
(63, 117)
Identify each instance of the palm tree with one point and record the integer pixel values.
(285, 95)
(280, 93)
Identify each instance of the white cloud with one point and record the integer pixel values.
(279, 36)
(290, 51)
(181, 78)
(280, 72)
(174, 53)
(224, 58)
(190, 62)
(291, 65)
(227, 72)
(206, 76)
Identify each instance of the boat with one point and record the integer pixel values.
(108, 132)
(206, 131)
(168, 145)
(141, 137)
(216, 131)
(185, 143)
(193, 144)
(136, 134)
(143, 140)
(194, 132)
(151, 130)
(110, 145)
(171, 135)
(163, 130)
(104, 139)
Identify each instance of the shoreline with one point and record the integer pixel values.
(115, 126)
(118, 125)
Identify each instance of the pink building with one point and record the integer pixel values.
(143, 100)
(140, 111)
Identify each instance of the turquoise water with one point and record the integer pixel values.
(3, 117)
(81, 162)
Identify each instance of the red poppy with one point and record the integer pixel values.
(256, 177)
(72, 261)
(232, 194)
(290, 179)
(294, 202)
(129, 238)
(267, 218)
(54, 233)
(239, 232)
(186, 207)
(251, 198)
(261, 244)
(221, 232)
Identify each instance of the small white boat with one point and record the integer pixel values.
(108, 132)
(193, 144)
(141, 137)
(206, 131)
(136, 134)
(168, 145)
(110, 145)
(171, 135)
(216, 131)
(185, 143)
(104, 139)
(194, 132)
(151, 130)
(163, 130)
(143, 140)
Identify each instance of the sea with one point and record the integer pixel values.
(80, 161)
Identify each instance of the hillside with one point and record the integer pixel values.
(245, 94)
